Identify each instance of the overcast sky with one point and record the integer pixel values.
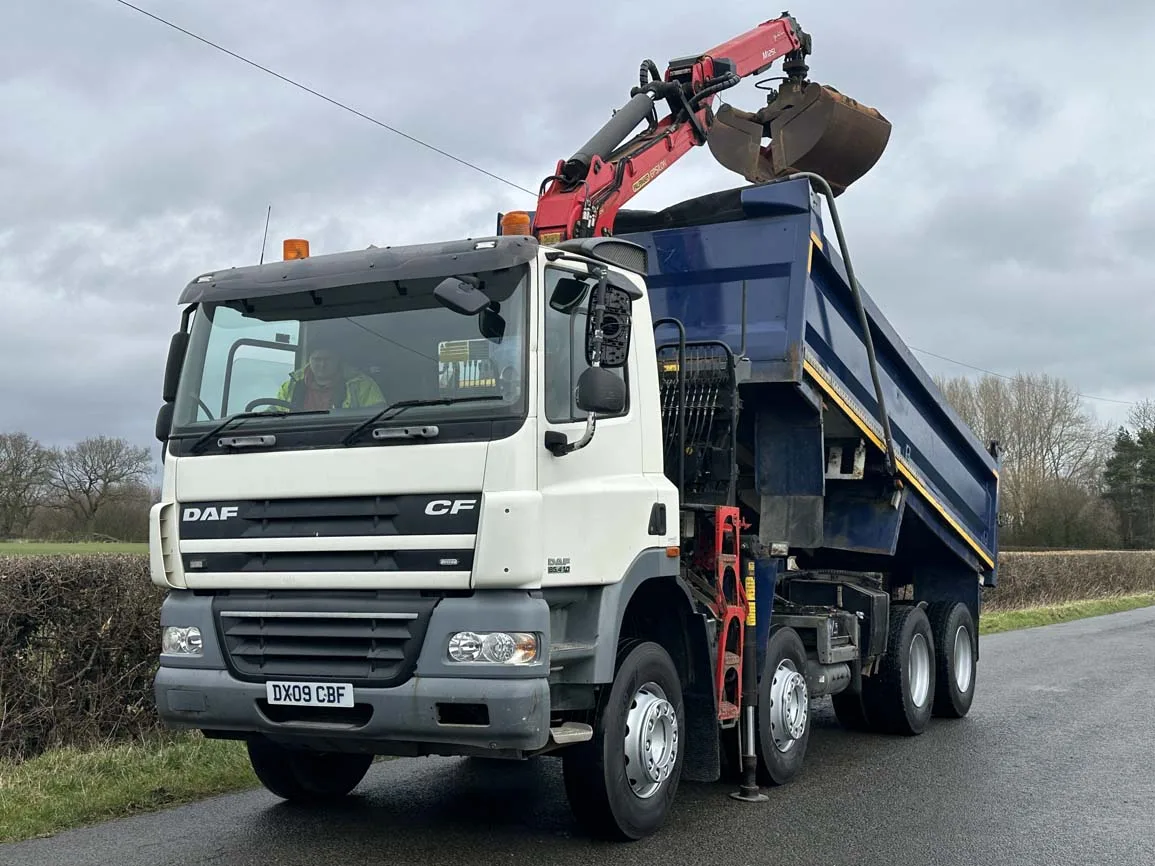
(1009, 224)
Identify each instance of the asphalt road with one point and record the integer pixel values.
(1055, 765)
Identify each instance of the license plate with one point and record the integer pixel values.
(310, 694)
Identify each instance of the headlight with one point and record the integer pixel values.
(181, 641)
(493, 647)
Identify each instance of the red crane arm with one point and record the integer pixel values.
(583, 196)
(755, 51)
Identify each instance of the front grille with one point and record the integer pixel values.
(366, 638)
(329, 560)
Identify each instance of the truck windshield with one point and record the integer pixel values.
(330, 359)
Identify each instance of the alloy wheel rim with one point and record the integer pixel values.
(918, 668)
(651, 740)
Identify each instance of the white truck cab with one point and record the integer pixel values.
(434, 551)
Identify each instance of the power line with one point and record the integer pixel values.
(1011, 378)
(319, 95)
(961, 363)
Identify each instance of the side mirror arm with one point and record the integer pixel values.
(558, 445)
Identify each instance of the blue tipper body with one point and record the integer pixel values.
(765, 248)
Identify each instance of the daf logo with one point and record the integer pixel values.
(210, 513)
(440, 507)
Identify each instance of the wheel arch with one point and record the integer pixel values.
(653, 603)
(650, 602)
(660, 608)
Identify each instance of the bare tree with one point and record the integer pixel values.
(1050, 445)
(1142, 416)
(94, 473)
(24, 465)
(126, 518)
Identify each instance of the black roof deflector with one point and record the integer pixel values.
(373, 265)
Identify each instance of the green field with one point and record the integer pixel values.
(49, 548)
(997, 621)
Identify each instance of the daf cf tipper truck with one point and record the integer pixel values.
(630, 488)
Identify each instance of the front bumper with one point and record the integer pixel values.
(408, 718)
(437, 707)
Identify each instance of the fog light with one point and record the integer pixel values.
(494, 647)
(182, 641)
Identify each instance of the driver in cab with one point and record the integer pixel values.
(327, 382)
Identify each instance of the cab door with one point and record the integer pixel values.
(596, 500)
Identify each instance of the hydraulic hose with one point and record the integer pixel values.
(856, 293)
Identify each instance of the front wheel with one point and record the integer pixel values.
(303, 776)
(622, 782)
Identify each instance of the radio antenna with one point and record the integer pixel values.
(265, 239)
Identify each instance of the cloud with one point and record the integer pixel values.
(1007, 225)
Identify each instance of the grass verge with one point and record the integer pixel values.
(67, 788)
(996, 621)
(48, 548)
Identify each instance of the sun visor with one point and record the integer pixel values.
(373, 265)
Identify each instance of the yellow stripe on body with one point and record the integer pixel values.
(815, 241)
(906, 471)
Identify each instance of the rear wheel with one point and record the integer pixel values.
(622, 782)
(955, 644)
(303, 776)
(900, 696)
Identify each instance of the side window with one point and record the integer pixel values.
(565, 356)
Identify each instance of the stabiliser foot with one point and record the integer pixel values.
(749, 794)
(748, 791)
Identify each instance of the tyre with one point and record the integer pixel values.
(303, 776)
(956, 651)
(900, 696)
(783, 711)
(622, 782)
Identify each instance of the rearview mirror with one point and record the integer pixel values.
(491, 324)
(176, 351)
(568, 293)
(164, 422)
(461, 295)
(601, 391)
(615, 347)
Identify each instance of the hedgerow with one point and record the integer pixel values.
(80, 635)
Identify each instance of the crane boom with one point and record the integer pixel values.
(814, 129)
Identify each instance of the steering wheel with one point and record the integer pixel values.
(509, 382)
(270, 401)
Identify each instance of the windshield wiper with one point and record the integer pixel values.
(240, 416)
(402, 405)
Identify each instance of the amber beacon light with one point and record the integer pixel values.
(515, 223)
(295, 248)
